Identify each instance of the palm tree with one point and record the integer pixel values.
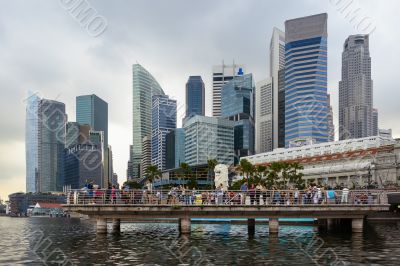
(185, 170)
(211, 166)
(152, 172)
(247, 168)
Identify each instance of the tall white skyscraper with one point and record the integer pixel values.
(355, 90)
(276, 67)
(221, 75)
(264, 113)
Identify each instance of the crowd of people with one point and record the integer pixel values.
(247, 195)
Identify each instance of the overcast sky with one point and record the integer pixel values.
(44, 48)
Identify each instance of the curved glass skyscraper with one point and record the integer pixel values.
(306, 108)
(144, 86)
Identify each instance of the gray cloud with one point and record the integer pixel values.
(42, 48)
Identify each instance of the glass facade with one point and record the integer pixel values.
(92, 110)
(175, 145)
(163, 121)
(195, 103)
(45, 143)
(209, 138)
(306, 108)
(237, 104)
(144, 86)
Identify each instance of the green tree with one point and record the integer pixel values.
(132, 184)
(152, 172)
(282, 174)
(247, 168)
(211, 163)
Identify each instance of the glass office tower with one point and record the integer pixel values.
(163, 121)
(195, 103)
(306, 108)
(237, 104)
(45, 143)
(144, 86)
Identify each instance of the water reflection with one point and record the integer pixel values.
(214, 244)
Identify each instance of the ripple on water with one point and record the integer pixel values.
(216, 244)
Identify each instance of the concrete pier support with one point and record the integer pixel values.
(184, 225)
(251, 226)
(116, 226)
(273, 225)
(330, 223)
(101, 226)
(357, 225)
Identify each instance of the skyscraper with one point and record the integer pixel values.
(276, 72)
(195, 96)
(355, 90)
(306, 109)
(163, 121)
(221, 75)
(146, 155)
(331, 127)
(144, 86)
(45, 142)
(375, 121)
(175, 143)
(92, 110)
(208, 138)
(264, 116)
(237, 104)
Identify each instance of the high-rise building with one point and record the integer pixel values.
(375, 121)
(331, 127)
(276, 72)
(146, 155)
(195, 96)
(45, 142)
(355, 90)
(76, 134)
(163, 121)
(84, 163)
(281, 108)
(237, 105)
(306, 109)
(175, 143)
(92, 110)
(264, 119)
(221, 75)
(144, 86)
(209, 138)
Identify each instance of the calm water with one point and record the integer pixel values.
(44, 241)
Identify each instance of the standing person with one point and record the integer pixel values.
(243, 192)
(258, 193)
(345, 195)
(252, 193)
(296, 196)
(220, 194)
(113, 195)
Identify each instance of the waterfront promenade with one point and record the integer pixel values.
(326, 206)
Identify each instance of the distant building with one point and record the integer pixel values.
(44, 142)
(175, 143)
(277, 74)
(375, 122)
(76, 134)
(195, 96)
(221, 75)
(20, 202)
(353, 163)
(331, 127)
(237, 105)
(356, 118)
(264, 116)
(386, 133)
(306, 109)
(144, 86)
(146, 156)
(92, 110)
(209, 138)
(163, 121)
(114, 180)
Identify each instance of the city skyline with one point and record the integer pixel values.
(58, 82)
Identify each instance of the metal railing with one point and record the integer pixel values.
(220, 197)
